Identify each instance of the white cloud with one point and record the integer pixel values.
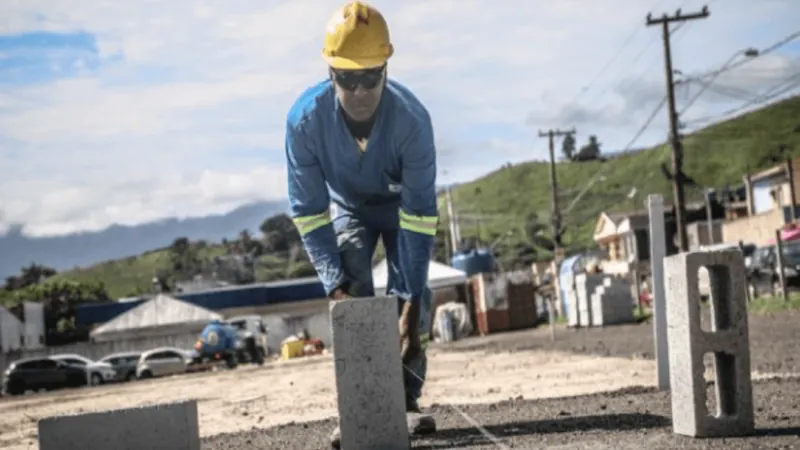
(185, 113)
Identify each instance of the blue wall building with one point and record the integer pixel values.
(258, 294)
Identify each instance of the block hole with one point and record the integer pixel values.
(714, 284)
(720, 377)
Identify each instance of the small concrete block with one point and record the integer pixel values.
(369, 374)
(728, 340)
(171, 426)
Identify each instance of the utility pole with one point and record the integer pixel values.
(556, 216)
(455, 232)
(674, 137)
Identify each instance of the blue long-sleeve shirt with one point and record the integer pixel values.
(391, 185)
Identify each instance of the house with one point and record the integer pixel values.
(625, 237)
(771, 201)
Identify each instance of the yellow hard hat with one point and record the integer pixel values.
(357, 37)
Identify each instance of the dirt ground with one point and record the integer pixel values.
(498, 377)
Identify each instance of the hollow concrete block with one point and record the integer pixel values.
(728, 340)
(369, 374)
(171, 426)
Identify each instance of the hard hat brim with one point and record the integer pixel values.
(338, 62)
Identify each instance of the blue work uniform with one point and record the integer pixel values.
(343, 198)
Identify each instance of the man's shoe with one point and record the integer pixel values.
(336, 439)
(418, 423)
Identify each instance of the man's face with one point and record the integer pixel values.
(359, 91)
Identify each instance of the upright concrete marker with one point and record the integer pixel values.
(727, 340)
(171, 426)
(369, 374)
(658, 251)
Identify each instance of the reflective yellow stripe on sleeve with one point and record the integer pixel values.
(418, 224)
(424, 340)
(307, 224)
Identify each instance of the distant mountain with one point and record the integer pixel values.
(85, 249)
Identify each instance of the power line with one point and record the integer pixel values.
(630, 145)
(765, 51)
(781, 89)
(646, 70)
(610, 62)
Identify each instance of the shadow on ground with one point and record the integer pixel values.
(471, 437)
(792, 431)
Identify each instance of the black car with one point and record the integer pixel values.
(41, 373)
(762, 273)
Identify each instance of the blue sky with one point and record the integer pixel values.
(126, 112)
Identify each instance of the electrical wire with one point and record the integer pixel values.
(474, 423)
(766, 51)
(610, 62)
(784, 87)
(627, 147)
(712, 76)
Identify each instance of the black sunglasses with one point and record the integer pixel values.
(349, 80)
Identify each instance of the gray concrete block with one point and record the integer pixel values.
(369, 374)
(728, 340)
(171, 426)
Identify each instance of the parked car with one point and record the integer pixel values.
(97, 372)
(762, 273)
(41, 373)
(162, 362)
(124, 364)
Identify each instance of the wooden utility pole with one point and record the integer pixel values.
(674, 136)
(556, 216)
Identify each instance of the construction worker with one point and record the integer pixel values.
(362, 166)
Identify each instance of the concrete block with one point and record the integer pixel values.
(728, 340)
(171, 426)
(369, 374)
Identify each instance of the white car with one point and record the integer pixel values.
(96, 372)
(162, 362)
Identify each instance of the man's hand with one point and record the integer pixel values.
(340, 294)
(409, 332)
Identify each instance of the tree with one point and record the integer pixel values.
(29, 275)
(184, 259)
(59, 299)
(280, 234)
(535, 231)
(589, 152)
(568, 147)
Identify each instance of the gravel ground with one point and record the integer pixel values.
(633, 418)
(774, 341)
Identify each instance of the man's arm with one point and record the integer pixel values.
(309, 203)
(418, 209)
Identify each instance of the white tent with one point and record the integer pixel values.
(160, 312)
(439, 276)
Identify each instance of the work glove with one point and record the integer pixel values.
(409, 332)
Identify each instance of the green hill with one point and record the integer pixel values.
(715, 156)
(507, 198)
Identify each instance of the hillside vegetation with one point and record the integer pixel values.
(517, 199)
(716, 156)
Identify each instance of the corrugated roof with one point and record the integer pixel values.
(159, 311)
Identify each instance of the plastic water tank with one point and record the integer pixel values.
(474, 261)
